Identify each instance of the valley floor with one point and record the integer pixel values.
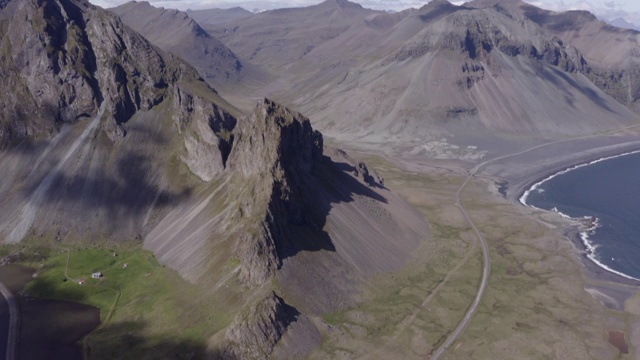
(545, 299)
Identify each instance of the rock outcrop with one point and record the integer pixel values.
(207, 133)
(62, 59)
(275, 151)
(254, 333)
(65, 62)
(66, 57)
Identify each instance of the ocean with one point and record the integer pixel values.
(607, 190)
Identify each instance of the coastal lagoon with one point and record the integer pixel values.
(607, 192)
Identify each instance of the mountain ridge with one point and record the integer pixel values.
(384, 77)
(176, 32)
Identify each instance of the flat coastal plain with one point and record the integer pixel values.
(544, 298)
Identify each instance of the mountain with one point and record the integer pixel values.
(406, 81)
(307, 216)
(93, 119)
(209, 17)
(276, 38)
(107, 139)
(612, 53)
(176, 32)
(624, 24)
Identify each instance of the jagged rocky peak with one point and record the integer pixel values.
(254, 334)
(280, 137)
(207, 130)
(477, 32)
(434, 4)
(273, 157)
(65, 58)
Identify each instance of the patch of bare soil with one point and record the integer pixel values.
(616, 338)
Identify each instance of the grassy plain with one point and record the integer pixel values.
(147, 311)
(535, 306)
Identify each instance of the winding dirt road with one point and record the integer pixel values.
(486, 269)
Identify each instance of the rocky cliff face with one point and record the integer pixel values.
(65, 65)
(273, 184)
(254, 333)
(63, 58)
(477, 33)
(61, 62)
(207, 133)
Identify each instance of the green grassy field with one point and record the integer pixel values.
(147, 311)
(535, 305)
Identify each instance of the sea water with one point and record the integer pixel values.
(606, 193)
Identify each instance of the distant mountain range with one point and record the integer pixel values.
(175, 31)
(474, 71)
(112, 128)
(624, 24)
(218, 16)
(108, 135)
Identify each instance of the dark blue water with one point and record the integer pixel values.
(610, 191)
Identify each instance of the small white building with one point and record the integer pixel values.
(96, 275)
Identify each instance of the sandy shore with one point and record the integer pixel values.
(517, 174)
(522, 171)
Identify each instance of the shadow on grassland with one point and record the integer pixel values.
(127, 340)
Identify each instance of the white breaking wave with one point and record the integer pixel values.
(525, 195)
(30, 209)
(584, 235)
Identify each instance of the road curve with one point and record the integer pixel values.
(486, 270)
(14, 314)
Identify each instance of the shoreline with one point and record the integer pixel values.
(577, 234)
(522, 198)
(572, 233)
(515, 185)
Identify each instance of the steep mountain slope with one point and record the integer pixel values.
(289, 200)
(275, 39)
(320, 225)
(120, 141)
(174, 31)
(457, 73)
(95, 118)
(612, 53)
(212, 17)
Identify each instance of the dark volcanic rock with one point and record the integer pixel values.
(207, 133)
(64, 61)
(61, 59)
(254, 333)
(275, 151)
